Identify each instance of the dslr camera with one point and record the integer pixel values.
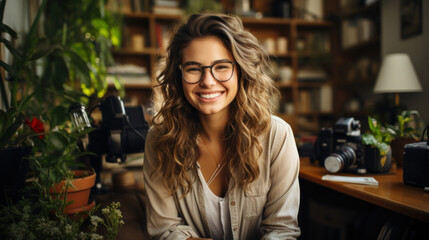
(341, 148)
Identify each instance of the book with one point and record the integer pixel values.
(167, 10)
(326, 95)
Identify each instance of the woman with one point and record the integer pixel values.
(217, 164)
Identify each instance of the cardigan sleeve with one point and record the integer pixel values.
(280, 217)
(162, 217)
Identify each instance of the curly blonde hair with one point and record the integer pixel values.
(177, 123)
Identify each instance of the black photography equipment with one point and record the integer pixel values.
(416, 162)
(340, 148)
(122, 131)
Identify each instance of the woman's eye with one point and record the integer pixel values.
(221, 67)
(193, 69)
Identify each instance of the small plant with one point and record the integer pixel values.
(37, 220)
(379, 136)
(407, 124)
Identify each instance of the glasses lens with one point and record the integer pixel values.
(222, 71)
(192, 73)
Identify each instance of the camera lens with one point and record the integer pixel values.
(340, 159)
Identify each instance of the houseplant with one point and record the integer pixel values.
(73, 53)
(72, 57)
(405, 131)
(378, 154)
(15, 136)
(33, 220)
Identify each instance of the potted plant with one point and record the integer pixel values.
(59, 171)
(404, 132)
(378, 154)
(16, 130)
(73, 53)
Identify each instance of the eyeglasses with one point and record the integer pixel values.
(221, 71)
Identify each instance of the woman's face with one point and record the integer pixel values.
(209, 96)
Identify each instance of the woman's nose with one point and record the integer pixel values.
(207, 78)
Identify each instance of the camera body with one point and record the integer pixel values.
(416, 164)
(340, 148)
(123, 130)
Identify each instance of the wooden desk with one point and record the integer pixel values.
(391, 193)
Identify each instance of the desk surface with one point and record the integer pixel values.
(391, 193)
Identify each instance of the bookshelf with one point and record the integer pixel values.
(306, 94)
(149, 29)
(358, 56)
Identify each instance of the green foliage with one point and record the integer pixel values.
(31, 220)
(57, 154)
(71, 55)
(407, 124)
(379, 136)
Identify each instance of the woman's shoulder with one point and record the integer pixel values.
(278, 124)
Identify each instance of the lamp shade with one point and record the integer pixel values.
(397, 75)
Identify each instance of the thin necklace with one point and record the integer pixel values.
(219, 166)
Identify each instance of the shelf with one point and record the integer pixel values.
(312, 23)
(147, 51)
(314, 114)
(311, 84)
(148, 15)
(266, 21)
(375, 42)
(284, 85)
(372, 9)
(135, 85)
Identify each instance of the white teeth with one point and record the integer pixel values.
(210, 95)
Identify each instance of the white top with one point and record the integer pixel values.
(217, 212)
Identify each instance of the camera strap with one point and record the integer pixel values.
(426, 130)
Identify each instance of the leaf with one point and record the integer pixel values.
(371, 124)
(6, 29)
(82, 69)
(42, 49)
(368, 139)
(11, 130)
(58, 115)
(11, 48)
(57, 141)
(6, 66)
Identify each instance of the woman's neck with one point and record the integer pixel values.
(214, 126)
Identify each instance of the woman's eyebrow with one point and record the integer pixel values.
(199, 64)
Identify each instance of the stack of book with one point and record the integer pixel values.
(169, 7)
(128, 74)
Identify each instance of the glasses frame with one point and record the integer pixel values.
(211, 71)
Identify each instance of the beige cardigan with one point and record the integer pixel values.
(268, 211)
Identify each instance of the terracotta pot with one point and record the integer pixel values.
(398, 149)
(78, 194)
(80, 212)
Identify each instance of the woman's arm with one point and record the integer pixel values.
(162, 217)
(279, 220)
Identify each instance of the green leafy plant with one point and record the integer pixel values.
(379, 136)
(12, 116)
(38, 220)
(72, 55)
(57, 155)
(407, 124)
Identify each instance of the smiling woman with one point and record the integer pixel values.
(217, 164)
(216, 88)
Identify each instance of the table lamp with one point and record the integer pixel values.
(397, 75)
